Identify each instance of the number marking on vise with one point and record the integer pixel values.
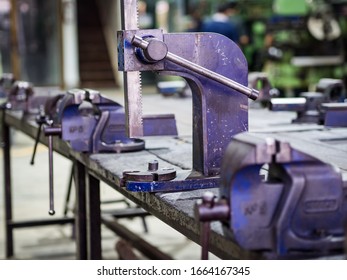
(78, 129)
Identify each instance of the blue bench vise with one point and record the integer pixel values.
(92, 123)
(278, 200)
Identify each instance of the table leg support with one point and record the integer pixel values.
(93, 218)
(80, 211)
(6, 139)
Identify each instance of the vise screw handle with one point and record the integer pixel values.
(50, 132)
(40, 120)
(155, 50)
(206, 211)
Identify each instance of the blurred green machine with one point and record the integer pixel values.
(297, 42)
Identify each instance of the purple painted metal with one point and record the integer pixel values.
(278, 200)
(298, 207)
(219, 112)
(209, 210)
(152, 174)
(90, 122)
(335, 114)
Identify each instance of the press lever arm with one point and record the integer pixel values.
(155, 50)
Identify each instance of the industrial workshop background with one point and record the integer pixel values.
(257, 117)
(72, 43)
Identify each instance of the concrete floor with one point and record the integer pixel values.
(30, 196)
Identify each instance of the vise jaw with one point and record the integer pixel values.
(279, 200)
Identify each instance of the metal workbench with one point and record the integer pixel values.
(175, 209)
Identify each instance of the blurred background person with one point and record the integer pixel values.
(226, 22)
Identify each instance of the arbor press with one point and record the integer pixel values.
(216, 71)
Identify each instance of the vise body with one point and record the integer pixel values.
(216, 71)
(279, 200)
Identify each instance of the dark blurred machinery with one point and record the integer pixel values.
(19, 96)
(6, 82)
(305, 42)
(316, 107)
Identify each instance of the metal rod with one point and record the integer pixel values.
(249, 92)
(132, 80)
(80, 214)
(51, 187)
(136, 241)
(32, 161)
(205, 236)
(68, 192)
(125, 251)
(39, 223)
(93, 218)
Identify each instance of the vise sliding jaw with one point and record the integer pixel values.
(278, 200)
(216, 71)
